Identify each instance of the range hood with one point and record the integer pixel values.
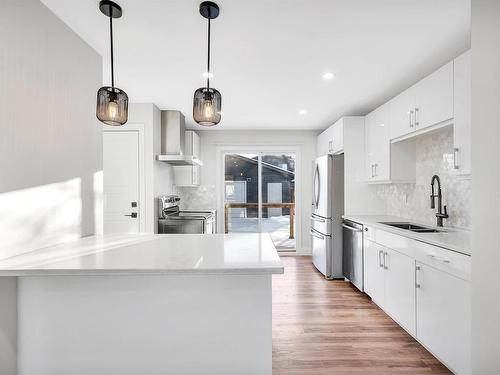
(173, 128)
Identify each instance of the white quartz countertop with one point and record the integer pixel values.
(448, 238)
(151, 254)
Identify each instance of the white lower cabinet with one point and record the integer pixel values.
(425, 289)
(390, 282)
(400, 289)
(374, 271)
(443, 317)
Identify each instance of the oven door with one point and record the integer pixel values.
(166, 226)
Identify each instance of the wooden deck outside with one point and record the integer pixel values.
(291, 206)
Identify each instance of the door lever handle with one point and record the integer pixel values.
(133, 215)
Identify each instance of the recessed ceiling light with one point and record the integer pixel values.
(207, 75)
(328, 75)
(303, 112)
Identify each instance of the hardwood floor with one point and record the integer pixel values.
(329, 327)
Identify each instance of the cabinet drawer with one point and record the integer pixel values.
(443, 259)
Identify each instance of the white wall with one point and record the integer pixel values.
(50, 139)
(206, 195)
(486, 186)
(50, 144)
(158, 176)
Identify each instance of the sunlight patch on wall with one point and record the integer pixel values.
(40, 216)
(98, 203)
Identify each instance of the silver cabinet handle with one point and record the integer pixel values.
(352, 228)
(318, 219)
(380, 264)
(376, 174)
(372, 172)
(410, 114)
(385, 263)
(435, 257)
(416, 120)
(316, 234)
(417, 285)
(330, 146)
(456, 150)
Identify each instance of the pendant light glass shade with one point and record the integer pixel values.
(207, 101)
(112, 106)
(112, 102)
(207, 106)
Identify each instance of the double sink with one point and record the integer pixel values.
(412, 227)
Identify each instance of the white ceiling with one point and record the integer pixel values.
(268, 56)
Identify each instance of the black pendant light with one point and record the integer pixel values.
(112, 102)
(207, 100)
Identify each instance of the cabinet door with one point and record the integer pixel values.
(443, 317)
(381, 144)
(374, 271)
(400, 289)
(401, 113)
(462, 114)
(434, 98)
(325, 144)
(369, 147)
(338, 136)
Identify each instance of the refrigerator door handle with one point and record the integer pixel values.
(318, 219)
(316, 187)
(316, 234)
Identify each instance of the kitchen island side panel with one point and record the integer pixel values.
(145, 324)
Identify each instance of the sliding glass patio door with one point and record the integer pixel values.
(259, 195)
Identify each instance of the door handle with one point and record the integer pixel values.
(132, 215)
(416, 120)
(385, 264)
(380, 264)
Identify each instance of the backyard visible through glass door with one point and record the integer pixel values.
(259, 195)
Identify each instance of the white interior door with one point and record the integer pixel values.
(121, 181)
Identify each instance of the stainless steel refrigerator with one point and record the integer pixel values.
(327, 211)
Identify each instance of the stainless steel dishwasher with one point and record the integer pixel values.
(352, 248)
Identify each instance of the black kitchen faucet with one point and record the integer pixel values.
(442, 212)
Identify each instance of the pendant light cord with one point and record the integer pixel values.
(111, 37)
(208, 59)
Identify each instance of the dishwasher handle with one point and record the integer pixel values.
(352, 228)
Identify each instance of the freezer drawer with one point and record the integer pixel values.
(321, 254)
(321, 224)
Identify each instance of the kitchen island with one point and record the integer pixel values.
(145, 304)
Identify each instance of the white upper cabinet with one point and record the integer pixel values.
(402, 113)
(462, 115)
(427, 103)
(189, 175)
(378, 147)
(386, 162)
(434, 98)
(331, 141)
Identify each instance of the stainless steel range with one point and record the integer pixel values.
(173, 220)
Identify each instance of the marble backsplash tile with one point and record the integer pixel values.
(200, 197)
(412, 201)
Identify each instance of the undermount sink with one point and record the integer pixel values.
(412, 227)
